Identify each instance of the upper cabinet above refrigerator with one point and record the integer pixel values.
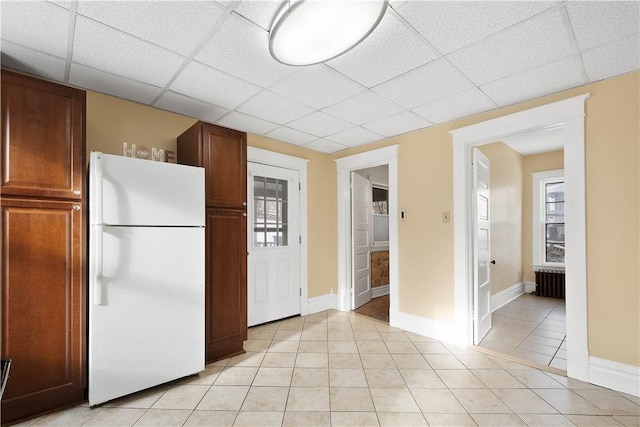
(42, 138)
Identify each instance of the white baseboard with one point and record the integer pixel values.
(614, 375)
(529, 287)
(379, 291)
(322, 303)
(441, 331)
(506, 296)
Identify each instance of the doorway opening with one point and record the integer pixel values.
(568, 115)
(347, 258)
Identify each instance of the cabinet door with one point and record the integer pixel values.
(42, 138)
(226, 283)
(43, 314)
(225, 160)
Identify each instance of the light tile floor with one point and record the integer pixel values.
(531, 328)
(342, 369)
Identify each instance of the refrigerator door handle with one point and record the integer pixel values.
(96, 200)
(97, 262)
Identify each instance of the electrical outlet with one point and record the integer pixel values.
(446, 217)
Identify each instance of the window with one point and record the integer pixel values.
(380, 198)
(548, 219)
(270, 201)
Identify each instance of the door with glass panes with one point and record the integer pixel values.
(273, 243)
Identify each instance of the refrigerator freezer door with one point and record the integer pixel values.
(127, 191)
(147, 327)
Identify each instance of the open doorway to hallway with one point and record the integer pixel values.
(526, 237)
(370, 232)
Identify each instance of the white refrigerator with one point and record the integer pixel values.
(146, 274)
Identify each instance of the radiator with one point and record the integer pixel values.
(550, 284)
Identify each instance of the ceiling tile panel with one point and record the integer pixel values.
(99, 81)
(319, 124)
(274, 108)
(176, 25)
(317, 86)
(325, 146)
(430, 82)
(291, 136)
(612, 59)
(65, 4)
(245, 123)
(392, 49)
(525, 46)
(462, 104)
(355, 136)
(241, 48)
(363, 108)
(260, 12)
(398, 124)
(450, 25)
(620, 18)
(184, 105)
(38, 25)
(102, 47)
(32, 62)
(212, 86)
(549, 78)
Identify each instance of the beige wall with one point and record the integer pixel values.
(112, 121)
(505, 215)
(533, 163)
(425, 162)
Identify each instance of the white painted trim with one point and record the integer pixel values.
(441, 331)
(505, 296)
(322, 303)
(614, 375)
(379, 291)
(568, 114)
(529, 287)
(258, 155)
(344, 166)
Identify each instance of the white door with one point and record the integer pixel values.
(482, 247)
(361, 238)
(274, 244)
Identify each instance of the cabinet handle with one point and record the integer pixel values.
(76, 192)
(244, 204)
(244, 214)
(76, 207)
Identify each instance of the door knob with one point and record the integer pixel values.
(493, 261)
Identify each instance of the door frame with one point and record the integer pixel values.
(270, 158)
(383, 156)
(569, 115)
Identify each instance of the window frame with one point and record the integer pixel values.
(538, 218)
(381, 244)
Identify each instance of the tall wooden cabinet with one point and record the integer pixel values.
(42, 226)
(223, 154)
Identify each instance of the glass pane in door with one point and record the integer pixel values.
(270, 200)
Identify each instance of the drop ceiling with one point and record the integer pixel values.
(428, 62)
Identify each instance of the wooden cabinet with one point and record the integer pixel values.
(226, 278)
(223, 153)
(42, 305)
(43, 245)
(42, 138)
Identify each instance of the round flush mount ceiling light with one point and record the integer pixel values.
(307, 32)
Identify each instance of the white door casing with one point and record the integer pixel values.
(361, 238)
(273, 282)
(481, 209)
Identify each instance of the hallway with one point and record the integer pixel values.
(531, 328)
